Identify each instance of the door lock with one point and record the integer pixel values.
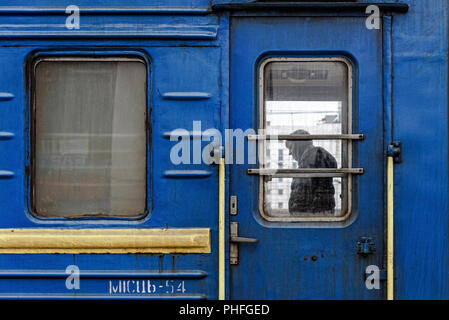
(235, 239)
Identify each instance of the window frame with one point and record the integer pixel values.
(261, 145)
(31, 152)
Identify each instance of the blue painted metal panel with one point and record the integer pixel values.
(181, 62)
(420, 104)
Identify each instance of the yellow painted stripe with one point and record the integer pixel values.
(221, 230)
(390, 230)
(75, 241)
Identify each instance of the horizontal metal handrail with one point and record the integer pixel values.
(306, 173)
(307, 137)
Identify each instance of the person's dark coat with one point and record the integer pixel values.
(313, 195)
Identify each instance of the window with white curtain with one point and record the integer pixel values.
(89, 137)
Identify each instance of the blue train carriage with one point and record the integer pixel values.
(168, 150)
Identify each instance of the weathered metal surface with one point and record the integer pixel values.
(180, 45)
(420, 122)
(401, 91)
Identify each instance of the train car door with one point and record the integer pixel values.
(307, 219)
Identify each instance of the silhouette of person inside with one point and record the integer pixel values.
(311, 195)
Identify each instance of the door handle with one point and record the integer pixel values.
(234, 240)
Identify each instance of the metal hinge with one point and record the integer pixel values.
(235, 239)
(366, 246)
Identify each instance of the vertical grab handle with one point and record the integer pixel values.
(221, 230)
(390, 229)
(394, 153)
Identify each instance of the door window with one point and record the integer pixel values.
(306, 114)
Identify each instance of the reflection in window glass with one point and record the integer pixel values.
(303, 98)
(90, 138)
(298, 205)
